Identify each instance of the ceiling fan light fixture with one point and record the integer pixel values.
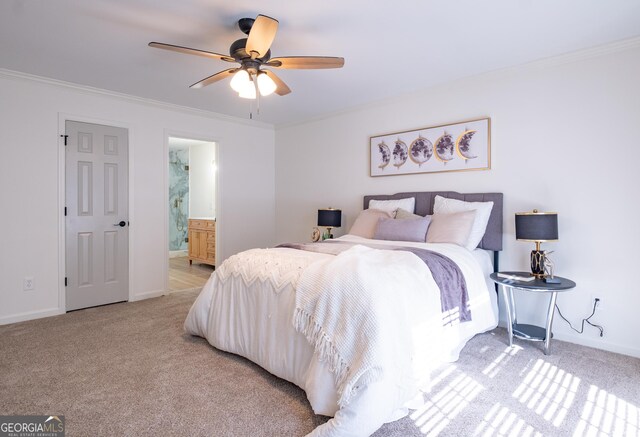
(266, 85)
(241, 81)
(253, 53)
(248, 92)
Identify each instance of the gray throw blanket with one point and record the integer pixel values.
(446, 273)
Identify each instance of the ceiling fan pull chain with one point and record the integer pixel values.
(255, 84)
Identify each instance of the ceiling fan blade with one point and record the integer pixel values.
(261, 36)
(215, 78)
(306, 62)
(188, 51)
(282, 88)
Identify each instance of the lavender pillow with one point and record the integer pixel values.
(413, 229)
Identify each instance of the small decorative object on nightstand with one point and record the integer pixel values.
(330, 218)
(549, 278)
(537, 227)
(315, 235)
(508, 281)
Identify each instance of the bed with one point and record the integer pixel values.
(251, 306)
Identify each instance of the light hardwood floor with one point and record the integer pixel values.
(183, 276)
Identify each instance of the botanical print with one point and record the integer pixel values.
(455, 147)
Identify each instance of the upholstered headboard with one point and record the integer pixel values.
(492, 239)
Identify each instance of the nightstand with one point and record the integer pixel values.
(521, 330)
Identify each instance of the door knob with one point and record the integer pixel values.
(122, 224)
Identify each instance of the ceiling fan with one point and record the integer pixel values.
(254, 53)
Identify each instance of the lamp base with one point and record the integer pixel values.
(327, 235)
(537, 263)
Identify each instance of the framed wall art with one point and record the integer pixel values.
(452, 147)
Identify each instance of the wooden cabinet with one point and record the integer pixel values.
(202, 241)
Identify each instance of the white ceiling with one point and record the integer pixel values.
(390, 47)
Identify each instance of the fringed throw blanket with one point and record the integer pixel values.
(364, 314)
(454, 296)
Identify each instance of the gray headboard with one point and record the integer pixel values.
(492, 239)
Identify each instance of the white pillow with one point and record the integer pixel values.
(408, 204)
(451, 228)
(443, 205)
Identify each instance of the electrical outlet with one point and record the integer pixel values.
(27, 283)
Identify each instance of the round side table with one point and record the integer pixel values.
(521, 330)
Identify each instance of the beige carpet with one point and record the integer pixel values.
(128, 369)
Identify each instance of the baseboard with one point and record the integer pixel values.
(147, 295)
(184, 291)
(30, 315)
(597, 343)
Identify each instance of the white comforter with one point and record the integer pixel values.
(247, 308)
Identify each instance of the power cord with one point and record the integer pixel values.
(595, 304)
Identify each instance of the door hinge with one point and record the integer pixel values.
(65, 211)
(65, 281)
(65, 138)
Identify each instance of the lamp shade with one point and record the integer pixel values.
(330, 217)
(536, 226)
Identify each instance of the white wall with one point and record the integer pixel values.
(29, 175)
(202, 181)
(564, 138)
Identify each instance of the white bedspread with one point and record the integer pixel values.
(247, 308)
(365, 317)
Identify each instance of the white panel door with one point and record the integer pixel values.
(97, 226)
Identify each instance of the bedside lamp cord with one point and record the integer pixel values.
(595, 303)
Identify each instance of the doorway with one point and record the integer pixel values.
(192, 212)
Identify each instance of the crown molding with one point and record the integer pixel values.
(18, 75)
(566, 58)
(571, 57)
(550, 62)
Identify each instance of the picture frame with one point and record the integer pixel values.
(460, 146)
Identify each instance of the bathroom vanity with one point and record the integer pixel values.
(202, 240)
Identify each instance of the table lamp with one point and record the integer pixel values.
(537, 227)
(330, 218)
